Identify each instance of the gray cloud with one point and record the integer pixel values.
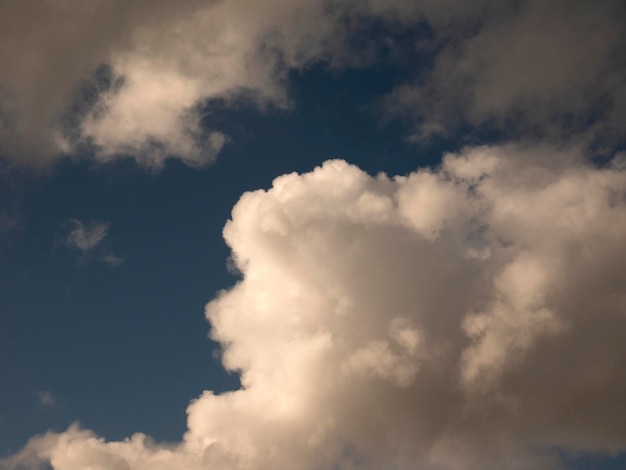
(46, 398)
(547, 69)
(544, 69)
(163, 59)
(88, 239)
(7, 223)
(113, 260)
(47, 49)
(465, 317)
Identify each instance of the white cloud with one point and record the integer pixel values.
(85, 237)
(366, 337)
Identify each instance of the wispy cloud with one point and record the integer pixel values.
(547, 67)
(85, 237)
(7, 223)
(90, 239)
(112, 260)
(46, 398)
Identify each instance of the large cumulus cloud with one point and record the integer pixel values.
(469, 316)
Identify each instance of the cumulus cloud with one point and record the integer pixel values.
(47, 49)
(551, 69)
(468, 316)
(131, 77)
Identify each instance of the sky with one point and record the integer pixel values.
(314, 234)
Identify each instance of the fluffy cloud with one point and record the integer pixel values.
(133, 78)
(465, 317)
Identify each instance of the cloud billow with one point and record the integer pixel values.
(467, 316)
(464, 317)
(549, 70)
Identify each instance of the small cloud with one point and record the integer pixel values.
(46, 398)
(88, 238)
(112, 260)
(84, 237)
(7, 223)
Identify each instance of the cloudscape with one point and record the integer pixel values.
(405, 220)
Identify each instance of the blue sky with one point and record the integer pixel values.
(467, 314)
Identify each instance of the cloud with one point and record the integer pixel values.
(549, 69)
(135, 75)
(88, 239)
(8, 223)
(85, 237)
(47, 399)
(47, 50)
(469, 316)
(112, 260)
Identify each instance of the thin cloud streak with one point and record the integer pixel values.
(549, 70)
(164, 61)
(113, 260)
(85, 237)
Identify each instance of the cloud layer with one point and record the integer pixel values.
(465, 317)
(542, 69)
(133, 78)
(88, 238)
